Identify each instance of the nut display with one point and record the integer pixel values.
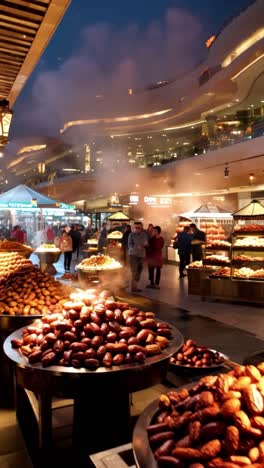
(192, 355)
(218, 244)
(90, 331)
(115, 235)
(13, 246)
(249, 273)
(31, 293)
(12, 263)
(99, 262)
(248, 258)
(217, 259)
(249, 228)
(196, 264)
(47, 248)
(224, 272)
(250, 242)
(218, 423)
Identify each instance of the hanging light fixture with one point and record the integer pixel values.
(5, 121)
(226, 172)
(251, 178)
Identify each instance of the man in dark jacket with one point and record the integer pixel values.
(75, 234)
(199, 239)
(184, 246)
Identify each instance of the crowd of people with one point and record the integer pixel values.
(139, 246)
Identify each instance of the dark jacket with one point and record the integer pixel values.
(125, 239)
(199, 235)
(184, 243)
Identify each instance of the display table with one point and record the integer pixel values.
(234, 290)
(46, 260)
(101, 397)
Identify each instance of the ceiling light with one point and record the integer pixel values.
(262, 102)
(228, 105)
(1, 154)
(251, 105)
(251, 178)
(237, 100)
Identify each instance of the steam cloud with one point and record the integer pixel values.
(109, 61)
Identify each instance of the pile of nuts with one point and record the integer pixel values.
(13, 246)
(192, 355)
(93, 331)
(12, 263)
(31, 292)
(218, 423)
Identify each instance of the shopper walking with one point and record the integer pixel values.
(18, 234)
(199, 238)
(66, 247)
(184, 245)
(50, 234)
(137, 243)
(76, 236)
(155, 257)
(102, 238)
(124, 242)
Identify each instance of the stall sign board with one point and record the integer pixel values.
(17, 205)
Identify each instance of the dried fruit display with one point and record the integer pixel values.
(197, 264)
(99, 262)
(224, 272)
(31, 293)
(90, 331)
(217, 258)
(218, 244)
(192, 355)
(218, 423)
(249, 228)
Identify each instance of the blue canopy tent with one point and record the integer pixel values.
(22, 205)
(24, 197)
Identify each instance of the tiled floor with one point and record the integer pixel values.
(236, 329)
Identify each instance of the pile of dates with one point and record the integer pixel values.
(218, 423)
(192, 355)
(92, 331)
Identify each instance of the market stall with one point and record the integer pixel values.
(213, 220)
(33, 211)
(238, 267)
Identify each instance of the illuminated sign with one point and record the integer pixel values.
(161, 202)
(16, 205)
(158, 201)
(133, 199)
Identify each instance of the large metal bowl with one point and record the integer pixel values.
(48, 257)
(138, 372)
(200, 370)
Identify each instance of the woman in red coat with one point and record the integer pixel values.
(155, 258)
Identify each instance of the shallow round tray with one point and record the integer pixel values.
(15, 355)
(198, 370)
(13, 322)
(96, 271)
